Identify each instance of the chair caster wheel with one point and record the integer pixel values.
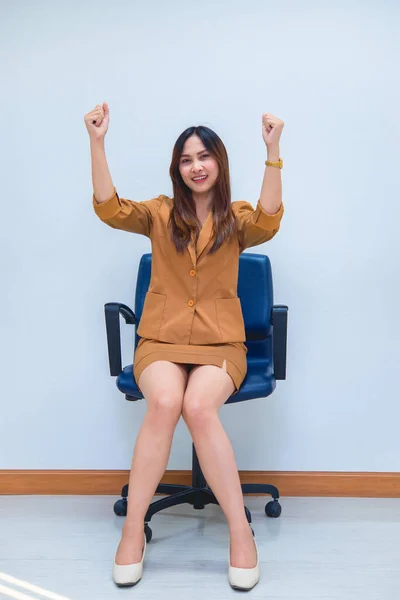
(273, 509)
(121, 507)
(148, 532)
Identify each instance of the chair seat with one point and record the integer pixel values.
(258, 383)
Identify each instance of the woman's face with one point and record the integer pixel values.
(196, 161)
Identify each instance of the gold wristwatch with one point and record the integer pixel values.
(278, 163)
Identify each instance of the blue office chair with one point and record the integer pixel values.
(266, 336)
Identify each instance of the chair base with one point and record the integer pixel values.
(198, 495)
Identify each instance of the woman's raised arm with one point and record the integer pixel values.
(96, 122)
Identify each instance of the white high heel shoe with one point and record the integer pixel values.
(244, 579)
(127, 575)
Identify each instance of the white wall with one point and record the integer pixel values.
(330, 71)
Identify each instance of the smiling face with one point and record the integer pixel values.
(196, 161)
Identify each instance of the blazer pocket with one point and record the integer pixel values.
(230, 319)
(151, 319)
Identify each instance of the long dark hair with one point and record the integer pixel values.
(183, 220)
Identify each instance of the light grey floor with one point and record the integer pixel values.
(319, 549)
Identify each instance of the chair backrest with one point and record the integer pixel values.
(255, 291)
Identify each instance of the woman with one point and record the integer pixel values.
(190, 358)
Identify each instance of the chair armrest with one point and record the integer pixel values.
(112, 310)
(279, 339)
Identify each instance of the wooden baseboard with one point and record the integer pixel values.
(289, 483)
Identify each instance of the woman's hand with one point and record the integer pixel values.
(97, 121)
(271, 129)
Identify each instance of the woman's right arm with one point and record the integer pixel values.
(96, 122)
(119, 213)
(103, 186)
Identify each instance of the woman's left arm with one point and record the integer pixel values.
(271, 190)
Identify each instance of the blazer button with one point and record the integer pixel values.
(193, 273)
(191, 302)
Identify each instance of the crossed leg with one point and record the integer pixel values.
(163, 384)
(207, 389)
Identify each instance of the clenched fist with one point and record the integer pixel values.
(97, 121)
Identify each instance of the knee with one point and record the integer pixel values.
(195, 412)
(166, 406)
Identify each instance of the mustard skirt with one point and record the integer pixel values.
(234, 353)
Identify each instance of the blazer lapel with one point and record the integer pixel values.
(204, 238)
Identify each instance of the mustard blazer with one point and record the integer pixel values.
(192, 297)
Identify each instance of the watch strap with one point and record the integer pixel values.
(278, 163)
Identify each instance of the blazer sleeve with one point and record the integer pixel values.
(129, 215)
(255, 226)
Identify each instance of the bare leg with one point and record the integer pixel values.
(162, 384)
(207, 390)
